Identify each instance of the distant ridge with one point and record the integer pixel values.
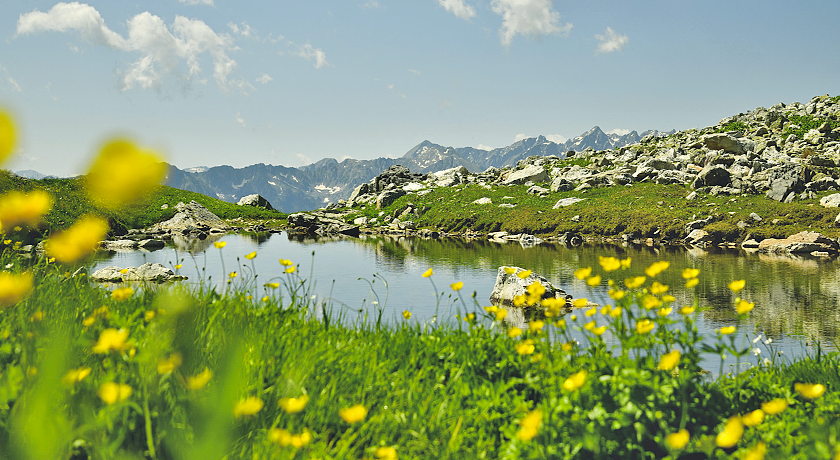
(328, 180)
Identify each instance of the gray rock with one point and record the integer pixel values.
(537, 190)
(510, 285)
(397, 176)
(801, 243)
(755, 217)
(146, 272)
(711, 176)
(837, 220)
(530, 173)
(691, 196)
(191, 217)
(728, 143)
(360, 221)
(831, 201)
(151, 244)
(529, 241)
(118, 245)
(256, 201)
(560, 184)
(698, 238)
(387, 197)
(566, 202)
(750, 244)
(483, 200)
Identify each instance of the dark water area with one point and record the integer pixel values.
(797, 300)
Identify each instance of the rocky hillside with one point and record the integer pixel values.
(328, 181)
(785, 153)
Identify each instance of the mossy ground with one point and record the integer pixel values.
(646, 209)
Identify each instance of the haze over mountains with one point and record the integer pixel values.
(327, 181)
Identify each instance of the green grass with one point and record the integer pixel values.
(643, 208)
(733, 126)
(806, 123)
(443, 391)
(71, 202)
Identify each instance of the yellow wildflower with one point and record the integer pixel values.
(529, 425)
(272, 285)
(220, 244)
(732, 432)
(568, 346)
(677, 440)
(526, 347)
(616, 294)
(199, 381)
(353, 414)
(290, 269)
(519, 300)
(77, 241)
(457, 286)
(625, 263)
(561, 323)
(18, 208)
(669, 360)
(76, 375)
(514, 332)
(664, 311)
(580, 303)
(589, 326)
(689, 273)
(616, 312)
(593, 281)
(406, 314)
(289, 263)
(122, 293)
(757, 452)
(233, 275)
(743, 307)
(280, 436)
(727, 330)
(609, 263)
(536, 289)
(428, 273)
(809, 390)
(583, 273)
(122, 173)
(111, 340)
(657, 268)
(598, 331)
(753, 418)
(293, 405)
(37, 317)
(178, 266)
(575, 381)
(692, 282)
(501, 314)
(524, 274)
(149, 315)
(634, 282)
(774, 406)
(650, 302)
(591, 311)
(14, 288)
(251, 255)
(510, 270)
(643, 326)
(7, 136)
(736, 286)
(469, 317)
(687, 310)
(668, 298)
(166, 366)
(111, 392)
(536, 326)
(248, 406)
(658, 288)
(386, 453)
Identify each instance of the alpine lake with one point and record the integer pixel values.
(377, 278)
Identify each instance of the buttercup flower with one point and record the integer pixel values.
(7, 136)
(122, 293)
(169, 364)
(736, 286)
(609, 263)
(658, 288)
(634, 282)
(406, 314)
(616, 294)
(290, 269)
(428, 273)
(272, 285)
(76, 375)
(643, 326)
(199, 381)
(111, 340)
(111, 392)
(514, 332)
(657, 268)
(669, 360)
(625, 263)
(583, 273)
(14, 288)
(692, 282)
(220, 244)
(293, 405)
(248, 406)
(77, 241)
(18, 208)
(524, 274)
(593, 281)
(689, 273)
(677, 440)
(536, 326)
(526, 347)
(809, 390)
(732, 432)
(580, 303)
(386, 453)
(529, 425)
(251, 255)
(575, 381)
(774, 406)
(753, 418)
(598, 331)
(457, 286)
(591, 311)
(289, 263)
(353, 414)
(122, 173)
(727, 330)
(743, 306)
(757, 452)
(686, 310)
(510, 270)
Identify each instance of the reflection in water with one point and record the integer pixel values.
(795, 299)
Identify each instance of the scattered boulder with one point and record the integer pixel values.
(483, 200)
(256, 201)
(801, 243)
(146, 272)
(566, 202)
(322, 225)
(510, 285)
(190, 218)
(713, 175)
(531, 173)
(387, 197)
(831, 201)
(537, 190)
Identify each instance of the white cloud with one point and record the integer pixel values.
(415, 72)
(173, 50)
(308, 52)
(197, 2)
(483, 147)
(240, 120)
(14, 84)
(610, 41)
(303, 159)
(459, 8)
(556, 138)
(520, 137)
(372, 4)
(242, 30)
(264, 78)
(619, 131)
(528, 17)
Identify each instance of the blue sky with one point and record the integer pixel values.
(211, 82)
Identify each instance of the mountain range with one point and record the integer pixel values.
(327, 181)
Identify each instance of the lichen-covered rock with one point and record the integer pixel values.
(146, 272)
(256, 201)
(801, 243)
(191, 217)
(509, 285)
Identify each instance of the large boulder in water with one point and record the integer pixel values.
(801, 243)
(510, 285)
(146, 272)
(191, 217)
